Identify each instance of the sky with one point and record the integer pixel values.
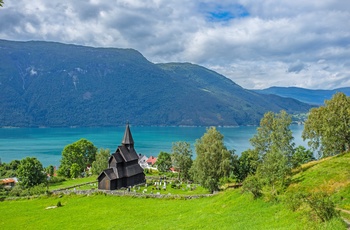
(257, 44)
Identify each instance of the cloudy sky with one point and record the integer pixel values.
(258, 44)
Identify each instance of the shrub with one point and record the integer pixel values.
(252, 184)
(59, 204)
(321, 204)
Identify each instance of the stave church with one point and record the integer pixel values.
(123, 168)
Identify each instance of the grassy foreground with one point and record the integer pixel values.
(227, 210)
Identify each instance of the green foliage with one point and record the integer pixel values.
(301, 156)
(50, 170)
(10, 169)
(75, 170)
(247, 164)
(101, 162)
(327, 127)
(30, 191)
(164, 162)
(31, 172)
(82, 153)
(274, 134)
(320, 204)
(274, 171)
(253, 185)
(275, 148)
(181, 158)
(213, 160)
(1, 3)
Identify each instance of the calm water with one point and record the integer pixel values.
(47, 143)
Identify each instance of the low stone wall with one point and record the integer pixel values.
(131, 194)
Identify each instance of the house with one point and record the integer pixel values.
(9, 182)
(143, 161)
(151, 161)
(123, 168)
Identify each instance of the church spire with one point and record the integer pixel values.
(127, 140)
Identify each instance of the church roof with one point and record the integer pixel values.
(127, 140)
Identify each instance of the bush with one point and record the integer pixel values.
(294, 200)
(252, 184)
(321, 204)
(59, 204)
(56, 179)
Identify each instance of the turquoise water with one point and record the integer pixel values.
(46, 144)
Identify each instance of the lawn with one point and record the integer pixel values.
(227, 210)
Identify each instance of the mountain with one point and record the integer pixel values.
(314, 97)
(54, 84)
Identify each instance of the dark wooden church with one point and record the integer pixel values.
(123, 168)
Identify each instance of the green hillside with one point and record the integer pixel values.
(331, 175)
(229, 209)
(53, 84)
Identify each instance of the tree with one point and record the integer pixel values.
(164, 162)
(1, 3)
(101, 162)
(275, 148)
(301, 156)
(181, 158)
(81, 152)
(274, 133)
(213, 160)
(75, 170)
(50, 170)
(328, 127)
(247, 164)
(31, 172)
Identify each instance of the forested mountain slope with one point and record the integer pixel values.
(53, 84)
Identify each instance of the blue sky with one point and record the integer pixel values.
(257, 44)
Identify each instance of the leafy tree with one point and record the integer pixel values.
(301, 156)
(275, 148)
(1, 3)
(10, 169)
(164, 162)
(274, 133)
(50, 170)
(181, 158)
(247, 164)
(75, 170)
(213, 160)
(101, 162)
(81, 152)
(31, 172)
(327, 127)
(274, 171)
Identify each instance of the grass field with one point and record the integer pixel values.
(227, 210)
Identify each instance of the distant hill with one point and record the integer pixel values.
(53, 84)
(314, 97)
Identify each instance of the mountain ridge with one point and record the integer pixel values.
(310, 96)
(54, 84)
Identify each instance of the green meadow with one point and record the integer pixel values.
(229, 209)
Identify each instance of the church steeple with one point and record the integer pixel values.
(128, 141)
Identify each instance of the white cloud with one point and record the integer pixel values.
(255, 43)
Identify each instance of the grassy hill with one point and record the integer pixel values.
(227, 210)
